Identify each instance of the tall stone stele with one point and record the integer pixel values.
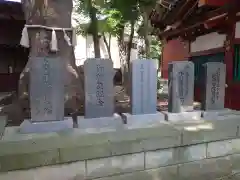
(49, 36)
(52, 13)
(181, 92)
(143, 95)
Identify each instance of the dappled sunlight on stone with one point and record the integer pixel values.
(199, 127)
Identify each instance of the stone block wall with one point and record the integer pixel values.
(171, 151)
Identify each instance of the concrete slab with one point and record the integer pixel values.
(48, 126)
(220, 114)
(189, 115)
(143, 120)
(3, 123)
(102, 124)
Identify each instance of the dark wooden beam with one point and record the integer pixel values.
(206, 18)
(213, 2)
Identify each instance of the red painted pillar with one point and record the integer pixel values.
(229, 61)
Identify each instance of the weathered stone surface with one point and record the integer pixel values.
(29, 126)
(160, 158)
(114, 165)
(143, 120)
(181, 116)
(3, 123)
(235, 160)
(181, 86)
(26, 161)
(99, 92)
(101, 124)
(144, 86)
(223, 148)
(84, 152)
(126, 147)
(204, 131)
(60, 172)
(155, 143)
(214, 90)
(47, 89)
(192, 153)
(163, 130)
(205, 169)
(165, 173)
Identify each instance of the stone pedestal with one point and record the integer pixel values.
(101, 124)
(29, 126)
(3, 123)
(188, 115)
(143, 120)
(220, 114)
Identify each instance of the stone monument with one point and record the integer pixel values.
(143, 95)
(214, 92)
(46, 97)
(99, 97)
(181, 92)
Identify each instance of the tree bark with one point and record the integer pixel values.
(94, 29)
(108, 45)
(145, 31)
(130, 41)
(51, 13)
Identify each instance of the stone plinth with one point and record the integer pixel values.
(46, 126)
(101, 124)
(143, 120)
(189, 115)
(220, 114)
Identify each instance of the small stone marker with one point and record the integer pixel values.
(181, 92)
(99, 98)
(143, 95)
(99, 92)
(214, 86)
(181, 86)
(47, 89)
(144, 86)
(46, 97)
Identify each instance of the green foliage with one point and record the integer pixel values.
(155, 49)
(114, 15)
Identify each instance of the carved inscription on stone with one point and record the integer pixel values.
(214, 86)
(181, 86)
(46, 89)
(99, 92)
(100, 85)
(143, 86)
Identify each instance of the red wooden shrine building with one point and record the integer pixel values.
(201, 31)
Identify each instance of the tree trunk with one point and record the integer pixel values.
(108, 45)
(146, 35)
(130, 41)
(126, 73)
(94, 29)
(51, 13)
(122, 51)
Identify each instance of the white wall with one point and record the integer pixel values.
(85, 49)
(237, 32)
(208, 41)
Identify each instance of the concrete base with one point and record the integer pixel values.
(44, 127)
(220, 114)
(190, 115)
(102, 124)
(143, 120)
(3, 123)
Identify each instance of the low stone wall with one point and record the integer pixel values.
(171, 151)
